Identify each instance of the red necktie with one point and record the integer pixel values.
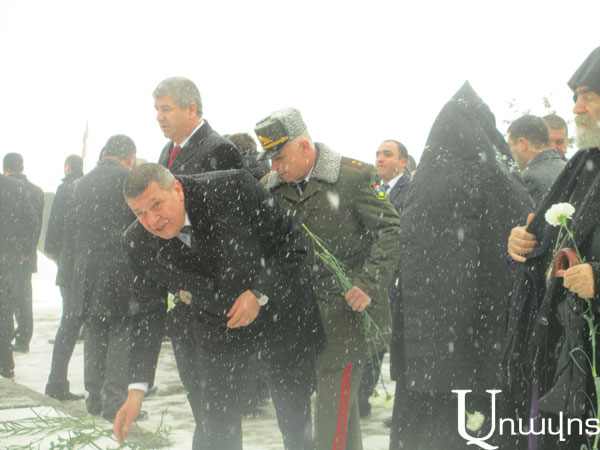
(174, 154)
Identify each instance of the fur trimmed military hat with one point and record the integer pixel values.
(588, 73)
(278, 129)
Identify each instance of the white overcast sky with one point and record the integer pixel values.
(360, 72)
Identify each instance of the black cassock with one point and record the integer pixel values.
(466, 196)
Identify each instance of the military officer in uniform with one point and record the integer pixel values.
(338, 199)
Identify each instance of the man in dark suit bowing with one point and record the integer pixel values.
(194, 147)
(220, 243)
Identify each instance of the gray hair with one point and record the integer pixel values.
(183, 91)
(142, 176)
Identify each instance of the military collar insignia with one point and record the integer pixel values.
(378, 191)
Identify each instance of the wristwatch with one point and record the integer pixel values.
(261, 298)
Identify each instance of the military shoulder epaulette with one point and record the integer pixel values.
(355, 164)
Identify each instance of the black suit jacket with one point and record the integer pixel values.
(57, 223)
(541, 172)
(204, 152)
(36, 197)
(242, 239)
(100, 273)
(397, 194)
(19, 224)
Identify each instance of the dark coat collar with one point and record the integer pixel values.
(544, 156)
(19, 176)
(186, 153)
(72, 177)
(108, 162)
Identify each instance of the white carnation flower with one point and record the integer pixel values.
(475, 421)
(558, 214)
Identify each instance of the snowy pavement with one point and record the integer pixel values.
(260, 433)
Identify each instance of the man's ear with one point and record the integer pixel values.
(178, 188)
(524, 144)
(193, 109)
(304, 147)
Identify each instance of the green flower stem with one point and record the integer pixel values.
(371, 330)
(81, 432)
(589, 318)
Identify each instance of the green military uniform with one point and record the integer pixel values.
(343, 206)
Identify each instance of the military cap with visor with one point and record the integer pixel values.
(278, 129)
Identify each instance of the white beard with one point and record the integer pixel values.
(588, 132)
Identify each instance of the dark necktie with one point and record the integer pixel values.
(300, 186)
(174, 154)
(186, 234)
(385, 187)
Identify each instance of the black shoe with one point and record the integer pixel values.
(93, 405)
(20, 347)
(64, 396)
(7, 373)
(364, 410)
(387, 422)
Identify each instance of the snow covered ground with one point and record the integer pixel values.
(260, 433)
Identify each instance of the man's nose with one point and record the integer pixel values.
(580, 106)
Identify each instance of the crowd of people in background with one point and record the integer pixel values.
(217, 250)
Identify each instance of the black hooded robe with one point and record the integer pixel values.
(455, 280)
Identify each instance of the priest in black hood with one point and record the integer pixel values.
(455, 280)
(549, 344)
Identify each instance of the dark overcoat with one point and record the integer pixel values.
(398, 193)
(466, 197)
(341, 206)
(55, 232)
(36, 197)
(18, 221)
(56, 218)
(541, 172)
(100, 273)
(241, 239)
(205, 151)
(546, 321)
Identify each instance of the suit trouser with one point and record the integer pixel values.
(180, 328)
(23, 306)
(6, 323)
(290, 383)
(337, 420)
(64, 344)
(106, 361)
